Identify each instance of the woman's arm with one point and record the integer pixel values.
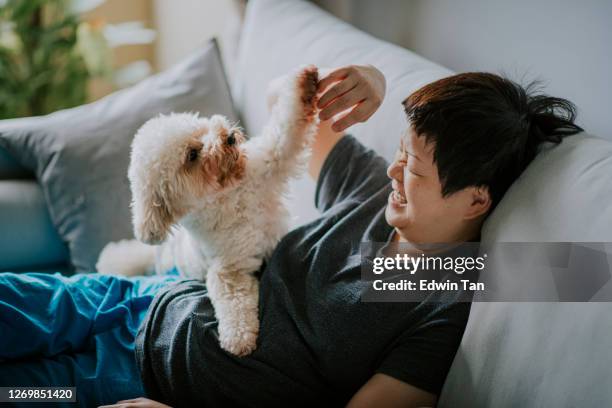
(387, 392)
(356, 91)
(324, 141)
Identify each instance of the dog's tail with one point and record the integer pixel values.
(126, 258)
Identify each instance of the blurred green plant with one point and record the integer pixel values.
(48, 56)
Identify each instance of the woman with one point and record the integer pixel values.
(470, 136)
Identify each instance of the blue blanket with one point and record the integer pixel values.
(74, 331)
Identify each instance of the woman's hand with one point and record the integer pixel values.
(137, 403)
(360, 87)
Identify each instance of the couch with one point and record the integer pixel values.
(513, 354)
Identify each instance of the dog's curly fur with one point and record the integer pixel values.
(222, 195)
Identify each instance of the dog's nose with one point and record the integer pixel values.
(231, 139)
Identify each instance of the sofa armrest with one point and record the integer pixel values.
(11, 169)
(27, 236)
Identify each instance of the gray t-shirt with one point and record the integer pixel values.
(318, 343)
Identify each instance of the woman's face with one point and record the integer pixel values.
(416, 207)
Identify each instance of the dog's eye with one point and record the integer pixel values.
(231, 139)
(193, 155)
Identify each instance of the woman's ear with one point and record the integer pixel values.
(480, 202)
(152, 217)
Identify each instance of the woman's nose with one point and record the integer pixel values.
(394, 171)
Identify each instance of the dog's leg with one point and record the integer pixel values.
(126, 258)
(235, 297)
(292, 124)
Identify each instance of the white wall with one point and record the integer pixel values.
(566, 43)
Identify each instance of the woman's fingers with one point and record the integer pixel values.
(334, 76)
(358, 114)
(342, 87)
(361, 88)
(343, 102)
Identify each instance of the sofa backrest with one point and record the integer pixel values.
(512, 354)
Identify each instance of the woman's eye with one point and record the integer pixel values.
(193, 155)
(400, 157)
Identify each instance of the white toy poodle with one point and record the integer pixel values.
(225, 197)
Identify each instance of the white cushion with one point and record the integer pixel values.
(544, 354)
(564, 195)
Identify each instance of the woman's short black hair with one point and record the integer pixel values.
(485, 128)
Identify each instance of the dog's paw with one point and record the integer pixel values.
(306, 83)
(238, 338)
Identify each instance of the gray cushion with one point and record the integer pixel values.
(279, 35)
(544, 354)
(80, 155)
(28, 238)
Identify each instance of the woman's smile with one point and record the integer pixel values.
(397, 199)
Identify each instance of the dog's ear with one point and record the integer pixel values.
(152, 217)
